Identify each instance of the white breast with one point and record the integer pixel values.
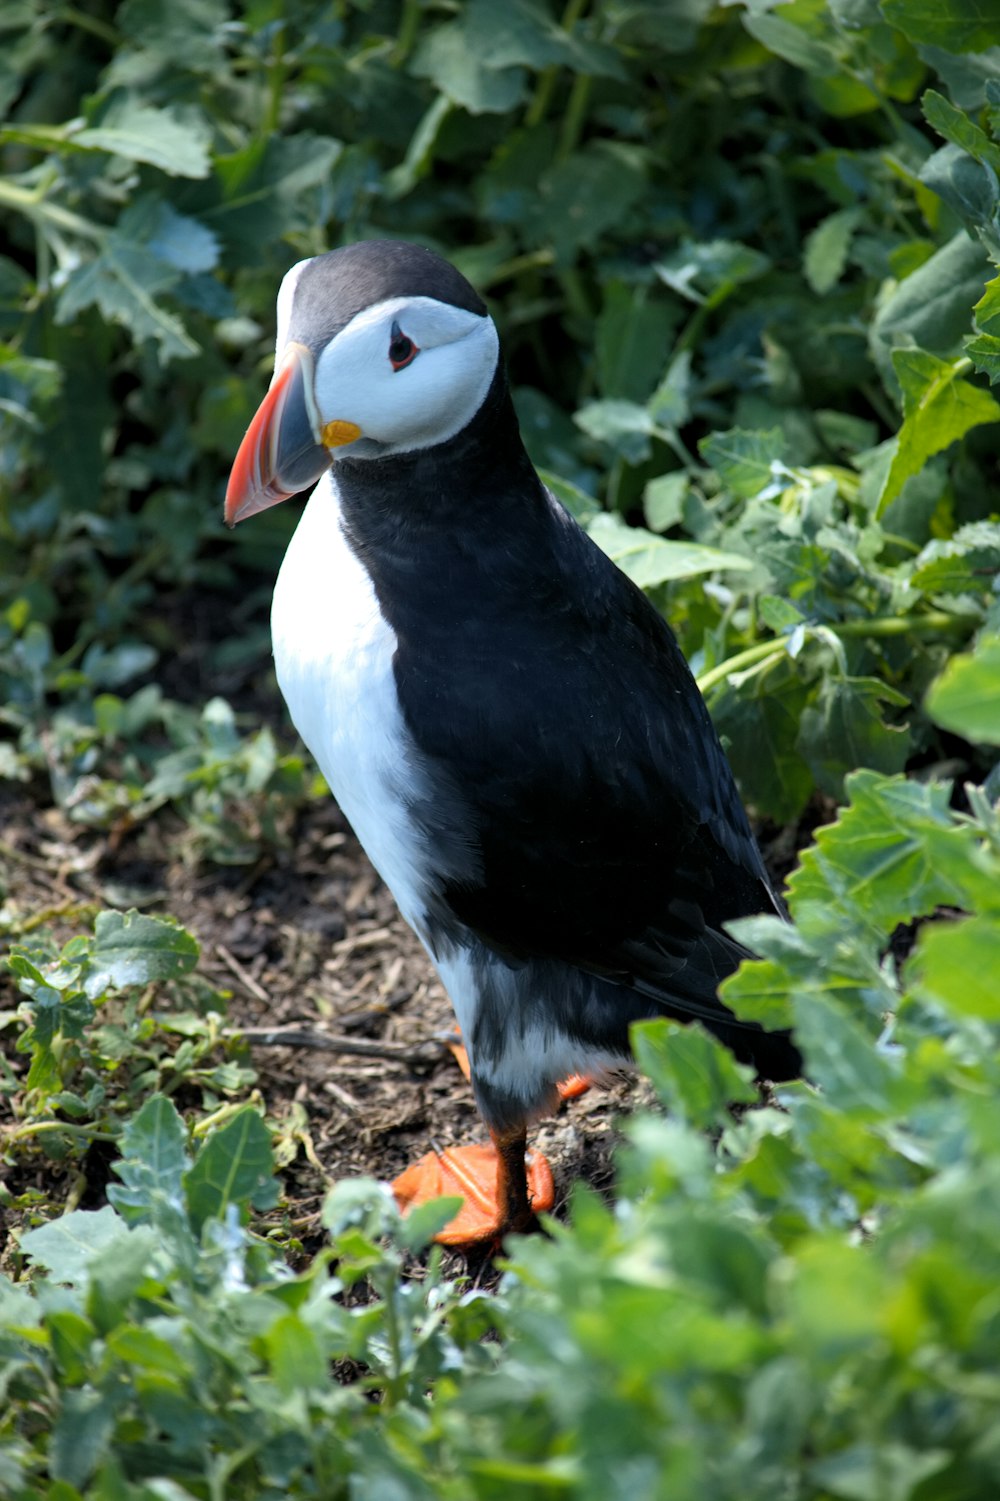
(333, 652)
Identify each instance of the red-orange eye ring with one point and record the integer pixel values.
(402, 350)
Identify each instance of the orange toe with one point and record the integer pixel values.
(569, 1089)
(576, 1084)
(470, 1171)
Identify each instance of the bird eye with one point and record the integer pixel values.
(402, 350)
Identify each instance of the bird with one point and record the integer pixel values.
(504, 718)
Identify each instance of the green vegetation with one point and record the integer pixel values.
(745, 263)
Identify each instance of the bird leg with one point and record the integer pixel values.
(512, 1197)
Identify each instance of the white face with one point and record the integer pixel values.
(428, 399)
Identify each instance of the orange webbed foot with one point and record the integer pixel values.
(481, 1175)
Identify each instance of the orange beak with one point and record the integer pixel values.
(285, 449)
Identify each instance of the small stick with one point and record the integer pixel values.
(328, 1042)
(245, 978)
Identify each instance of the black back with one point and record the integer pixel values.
(573, 751)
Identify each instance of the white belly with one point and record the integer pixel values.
(333, 653)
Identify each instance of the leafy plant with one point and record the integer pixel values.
(106, 1020)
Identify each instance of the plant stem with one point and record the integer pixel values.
(887, 625)
(38, 208)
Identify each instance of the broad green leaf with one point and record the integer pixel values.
(956, 25)
(967, 563)
(133, 948)
(232, 1167)
(955, 125)
(939, 406)
(670, 403)
(81, 1436)
(663, 500)
(841, 1057)
(844, 729)
(761, 725)
(582, 197)
(523, 33)
(744, 461)
(124, 281)
(956, 965)
(984, 352)
(966, 697)
(625, 425)
(803, 41)
(282, 180)
(295, 1355)
(70, 1246)
(633, 329)
(693, 1074)
(930, 308)
(708, 271)
(650, 560)
(892, 855)
(464, 75)
(154, 1157)
(987, 309)
(884, 1471)
(826, 249)
(176, 143)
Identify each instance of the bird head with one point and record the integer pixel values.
(382, 348)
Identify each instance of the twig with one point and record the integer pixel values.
(350, 1104)
(328, 1042)
(245, 978)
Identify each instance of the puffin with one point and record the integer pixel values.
(504, 718)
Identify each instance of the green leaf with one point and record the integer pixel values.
(939, 407)
(663, 500)
(956, 25)
(177, 144)
(693, 1074)
(135, 949)
(231, 1168)
(761, 724)
(295, 1355)
(633, 329)
(625, 425)
(589, 193)
(802, 42)
(744, 461)
(930, 308)
(523, 33)
(650, 560)
(955, 125)
(956, 966)
(885, 1471)
(892, 855)
(708, 271)
(987, 309)
(826, 249)
(124, 281)
(840, 1056)
(153, 1156)
(69, 1246)
(984, 352)
(966, 697)
(844, 729)
(81, 1436)
(464, 75)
